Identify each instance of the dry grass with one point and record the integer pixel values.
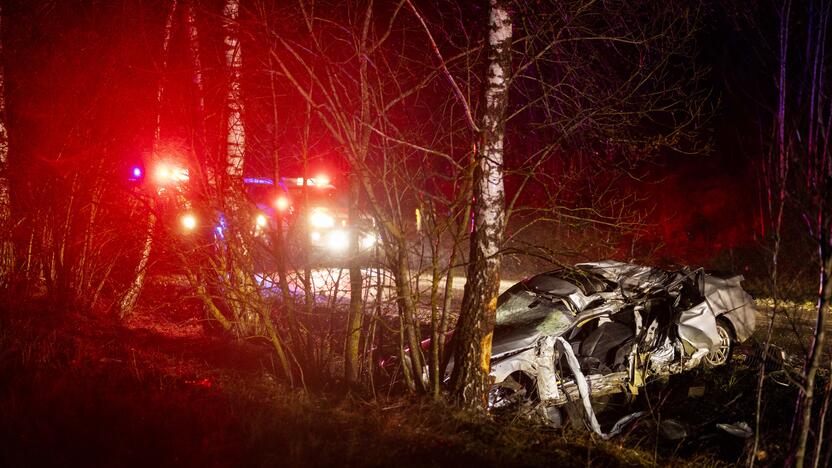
(156, 391)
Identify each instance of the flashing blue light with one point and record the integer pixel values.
(137, 172)
(220, 229)
(258, 181)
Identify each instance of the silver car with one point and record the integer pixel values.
(600, 328)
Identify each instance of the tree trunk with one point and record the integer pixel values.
(239, 266)
(236, 132)
(776, 174)
(203, 172)
(6, 246)
(824, 296)
(278, 239)
(816, 159)
(352, 360)
(127, 302)
(472, 351)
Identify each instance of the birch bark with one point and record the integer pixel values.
(243, 298)
(472, 351)
(6, 247)
(236, 132)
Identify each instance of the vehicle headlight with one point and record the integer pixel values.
(165, 173)
(261, 220)
(315, 236)
(368, 240)
(282, 203)
(338, 240)
(188, 221)
(319, 219)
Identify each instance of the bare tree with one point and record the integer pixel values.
(472, 348)
(814, 190)
(6, 246)
(425, 163)
(775, 173)
(348, 107)
(130, 297)
(796, 174)
(233, 60)
(352, 357)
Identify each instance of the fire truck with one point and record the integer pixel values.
(314, 215)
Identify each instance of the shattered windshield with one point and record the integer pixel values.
(522, 313)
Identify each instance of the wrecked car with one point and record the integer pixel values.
(572, 335)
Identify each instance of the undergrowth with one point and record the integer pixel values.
(82, 390)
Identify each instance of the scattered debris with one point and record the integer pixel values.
(738, 429)
(670, 429)
(696, 392)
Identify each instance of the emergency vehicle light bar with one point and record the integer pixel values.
(258, 181)
(320, 181)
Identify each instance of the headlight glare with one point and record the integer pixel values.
(338, 240)
(188, 221)
(319, 219)
(368, 240)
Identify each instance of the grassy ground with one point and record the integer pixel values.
(84, 390)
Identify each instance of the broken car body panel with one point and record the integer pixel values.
(609, 326)
(727, 298)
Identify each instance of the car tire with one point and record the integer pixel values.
(721, 355)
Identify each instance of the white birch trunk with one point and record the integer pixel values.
(490, 208)
(196, 62)
(472, 352)
(236, 132)
(6, 247)
(243, 292)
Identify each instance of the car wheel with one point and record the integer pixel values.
(721, 354)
